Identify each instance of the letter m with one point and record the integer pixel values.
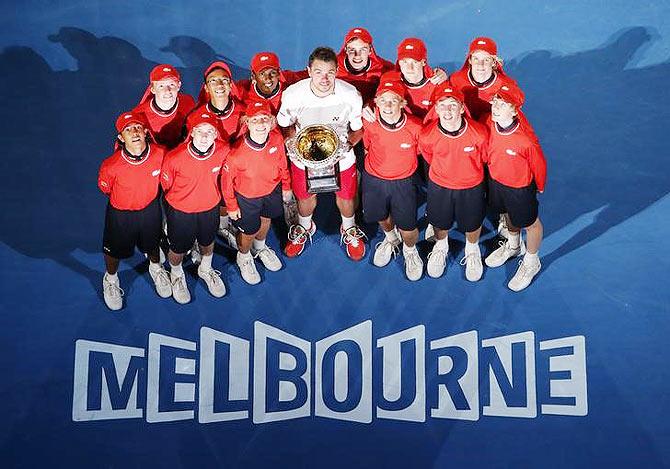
(106, 380)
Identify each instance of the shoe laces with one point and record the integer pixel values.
(162, 277)
(179, 283)
(213, 275)
(298, 234)
(386, 245)
(263, 254)
(114, 289)
(412, 259)
(442, 255)
(471, 258)
(352, 235)
(525, 268)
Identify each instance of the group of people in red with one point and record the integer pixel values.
(220, 164)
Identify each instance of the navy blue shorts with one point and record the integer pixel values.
(125, 229)
(520, 204)
(252, 209)
(384, 197)
(464, 206)
(184, 229)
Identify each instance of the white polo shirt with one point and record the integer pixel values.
(342, 109)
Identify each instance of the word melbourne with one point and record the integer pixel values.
(404, 377)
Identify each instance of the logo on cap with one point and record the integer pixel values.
(388, 83)
(358, 30)
(481, 42)
(167, 69)
(127, 116)
(264, 57)
(205, 116)
(409, 47)
(448, 90)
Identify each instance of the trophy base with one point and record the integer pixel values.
(323, 179)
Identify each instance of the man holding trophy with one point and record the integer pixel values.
(321, 118)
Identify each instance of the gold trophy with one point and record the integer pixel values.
(319, 148)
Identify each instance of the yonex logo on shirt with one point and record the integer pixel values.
(425, 102)
(273, 150)
(504, 88)
(405, 145)
(510, 152)
(468, 149)
(156, 172)
(214, 170)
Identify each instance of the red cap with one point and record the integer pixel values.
(511, 94)
(263, 60)
(483, 43)
(391, 81)
(164, 71)
(196, 118)
(445, 90)
(255, 107)
(127, 118)
(412, 48)
(202, 95)
(358, 33)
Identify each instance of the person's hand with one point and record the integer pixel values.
(287, 196)
(368, 114)
(440, 76)
(234, 214)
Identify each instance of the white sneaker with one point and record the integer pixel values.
(268, 257)
(161, 279)
(228, 234)
(213, 281)
(413, 265)
(429, 235)
(437, 262)
(180, 291)
(524, 275)
(385, 250)
(473, 266)
(503, 232)
(196, 257)
(502, 254)
(248, 269)
(112, 293)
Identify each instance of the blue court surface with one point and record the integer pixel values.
(331, 363)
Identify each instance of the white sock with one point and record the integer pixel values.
(348, 222)
(406, 249)
(224, 221)
(259, 244)
(113, 278)
(471, 247)
(441, 244)
(243, 255)
(514, 240)
(531, 259)
(176, 270)
(305, 222)
(206, 263)
(391, 235)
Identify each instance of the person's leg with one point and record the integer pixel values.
(530, 265)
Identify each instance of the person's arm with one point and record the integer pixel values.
(105, 179)
(228, 189)
(538, 166)
(167, 174)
